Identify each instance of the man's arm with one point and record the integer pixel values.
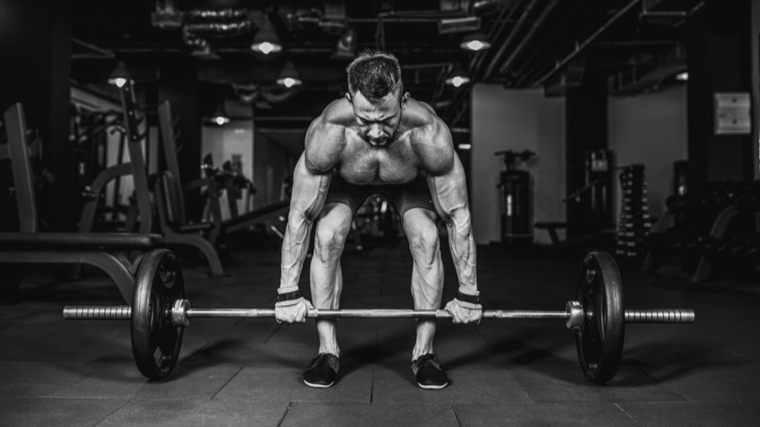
(311, 180)
(309, 192)
(448, 188)
(449, 191)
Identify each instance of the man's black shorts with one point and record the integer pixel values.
(414, 194)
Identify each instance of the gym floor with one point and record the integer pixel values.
(503, 372)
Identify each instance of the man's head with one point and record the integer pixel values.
(376, 94)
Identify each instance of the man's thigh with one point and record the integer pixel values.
(415, 194)
(346, 193)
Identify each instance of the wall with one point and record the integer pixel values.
(518, 120)
(652, 130)
(755, 43)
(35, 64)
(222, 142)
(718, 40)
(273, 165)
(585, 132)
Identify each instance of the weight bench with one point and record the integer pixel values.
(28, 246)
(79, 248)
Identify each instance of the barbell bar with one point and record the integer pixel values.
(181, 312)
(160, 312)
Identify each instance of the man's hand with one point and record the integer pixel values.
(464, 312)
(292, 311)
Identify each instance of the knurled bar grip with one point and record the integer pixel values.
(124, 312)
(659, 316)
(84, 312)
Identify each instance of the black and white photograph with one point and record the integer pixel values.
(340, 213)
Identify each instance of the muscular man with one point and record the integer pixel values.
(377, 141)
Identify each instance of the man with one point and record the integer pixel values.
(377, 141)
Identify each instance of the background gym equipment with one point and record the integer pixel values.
(29, 245)
(713, 225)
(515, 198)
(159, 314)
(171, 197)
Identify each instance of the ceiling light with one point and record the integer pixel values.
(346, 46)
(289, 76)
(120, 75)
(683, 77)
(220, 116)
(457, 77)
(475, 42)
(266, 40)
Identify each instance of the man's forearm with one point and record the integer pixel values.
(463, 251)
(294, 247)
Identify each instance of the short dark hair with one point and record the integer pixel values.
(375, 74)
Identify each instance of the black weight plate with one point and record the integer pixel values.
(155, 340)
(600, 339)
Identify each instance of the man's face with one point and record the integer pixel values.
(379, 120)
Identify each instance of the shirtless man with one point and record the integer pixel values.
(377, 141)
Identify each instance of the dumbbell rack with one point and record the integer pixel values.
(635, 221)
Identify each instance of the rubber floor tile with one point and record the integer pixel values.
(42, 350)
(302, 414)
(244, 353)
(708, 384)
(663, 414)
(549, 384)
(183, 413)
(271, 384)
(126, 381)
(466, 385)
(47, 411)
(41, 379)
(542, 414)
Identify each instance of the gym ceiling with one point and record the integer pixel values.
(549, 44)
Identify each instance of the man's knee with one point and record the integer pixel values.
(422, 233)
(330, 236)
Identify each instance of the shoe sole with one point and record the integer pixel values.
(432, 387)
(318, 385)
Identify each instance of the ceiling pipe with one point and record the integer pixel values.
(535, 63)
(579, 48)
(494, 34)
(529, 36)
(516, 30)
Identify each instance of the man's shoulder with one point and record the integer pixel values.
(326, 136)
(338, 113)
(419, 115)
(430, 137)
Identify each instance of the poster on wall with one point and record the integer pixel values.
(732, 114)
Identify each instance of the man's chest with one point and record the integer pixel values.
(395, 163)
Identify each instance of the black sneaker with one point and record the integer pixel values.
(322, 371)
(429, 373)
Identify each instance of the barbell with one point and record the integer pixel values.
(160, 312)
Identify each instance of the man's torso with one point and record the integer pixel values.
(363, 164)
(360, 163)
